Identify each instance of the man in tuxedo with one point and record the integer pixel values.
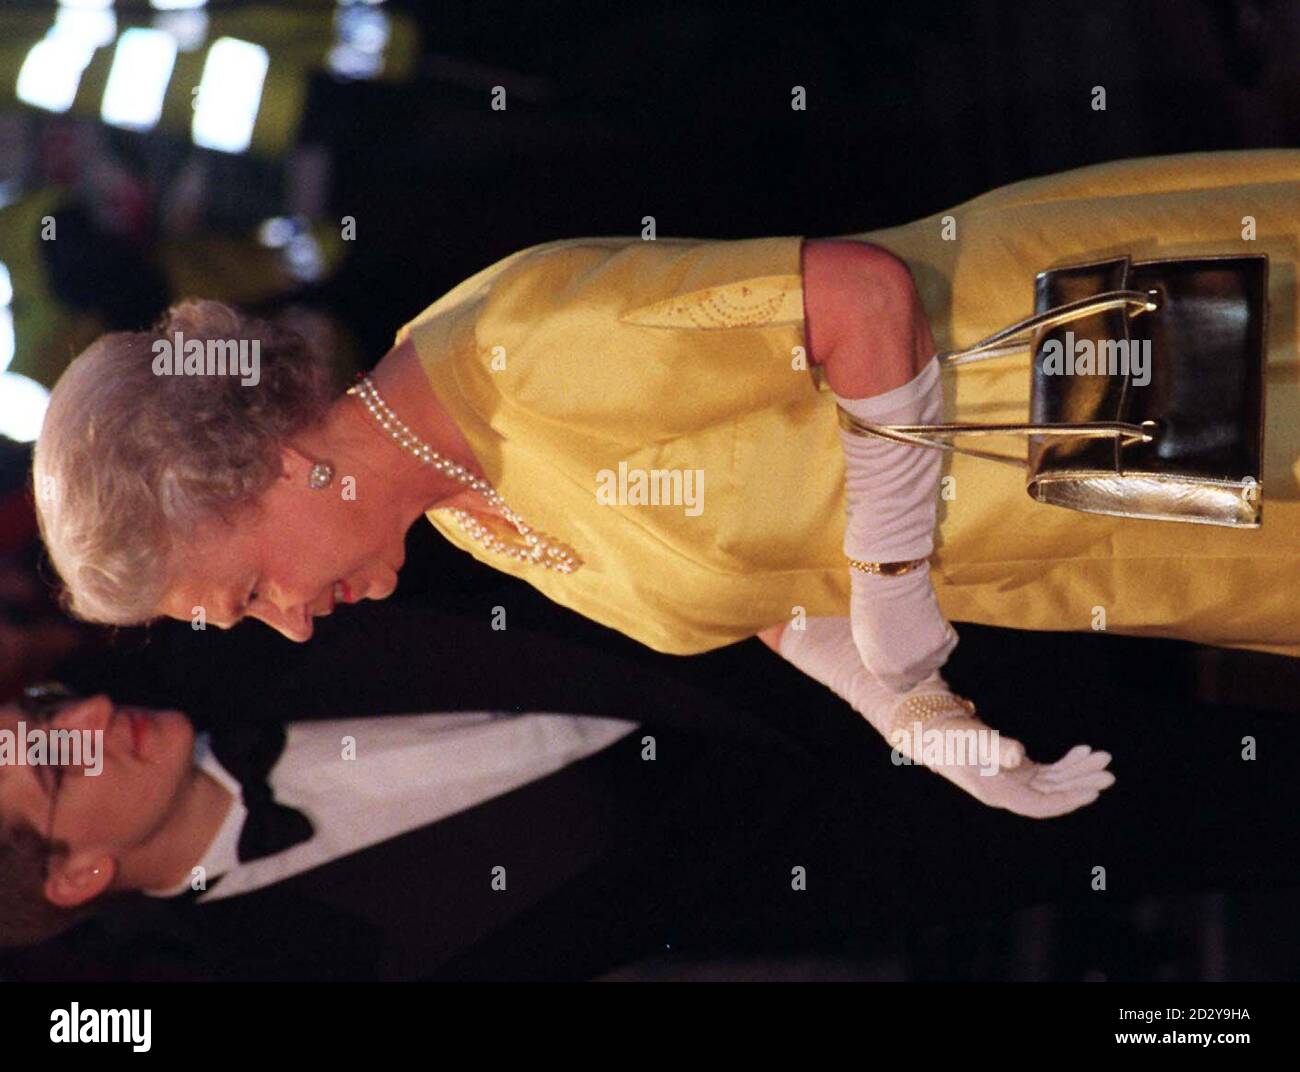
(377, 847)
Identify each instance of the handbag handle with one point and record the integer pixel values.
(1009, 340)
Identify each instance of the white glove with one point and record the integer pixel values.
(891, 497)
(996, 772)
(1040, 791)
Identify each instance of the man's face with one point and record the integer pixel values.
(145, 758)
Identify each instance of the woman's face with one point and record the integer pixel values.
(289, 560)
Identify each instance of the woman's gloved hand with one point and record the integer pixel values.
(930, 725)
(933, 726)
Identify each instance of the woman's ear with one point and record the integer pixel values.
(294, 465)
(78, 879)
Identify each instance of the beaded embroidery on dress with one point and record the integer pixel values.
(758, 302)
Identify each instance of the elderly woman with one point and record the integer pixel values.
(631, 427)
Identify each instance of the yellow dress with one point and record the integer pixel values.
(566, 360)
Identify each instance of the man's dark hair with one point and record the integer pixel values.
(26, 917)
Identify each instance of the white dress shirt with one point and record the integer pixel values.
(408, 771)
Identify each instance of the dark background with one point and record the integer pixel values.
(682, 112)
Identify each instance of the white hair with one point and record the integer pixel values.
(129, 462)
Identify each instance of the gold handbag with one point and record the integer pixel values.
(1185, 445)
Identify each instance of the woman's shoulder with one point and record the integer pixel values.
(611, 283)
(719, 284)
(650, 282)
(584, 330)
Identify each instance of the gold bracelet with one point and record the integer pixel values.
(888, 569)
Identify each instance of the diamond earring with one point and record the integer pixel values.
(321, 476)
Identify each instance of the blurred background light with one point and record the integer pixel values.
(305, 259)
(8, 342)
(98, 26)
(361, 35)
(23, 403)
(229, 95)
(302, 252)
(52, 70)
(51, 73)
(137, 81)
(190, 28)
(276, 231)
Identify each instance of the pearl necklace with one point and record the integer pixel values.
(537, 548)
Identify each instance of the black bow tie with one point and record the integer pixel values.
(248, 752)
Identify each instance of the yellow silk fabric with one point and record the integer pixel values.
(566, 359)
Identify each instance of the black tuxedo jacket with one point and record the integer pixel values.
(611, 858)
